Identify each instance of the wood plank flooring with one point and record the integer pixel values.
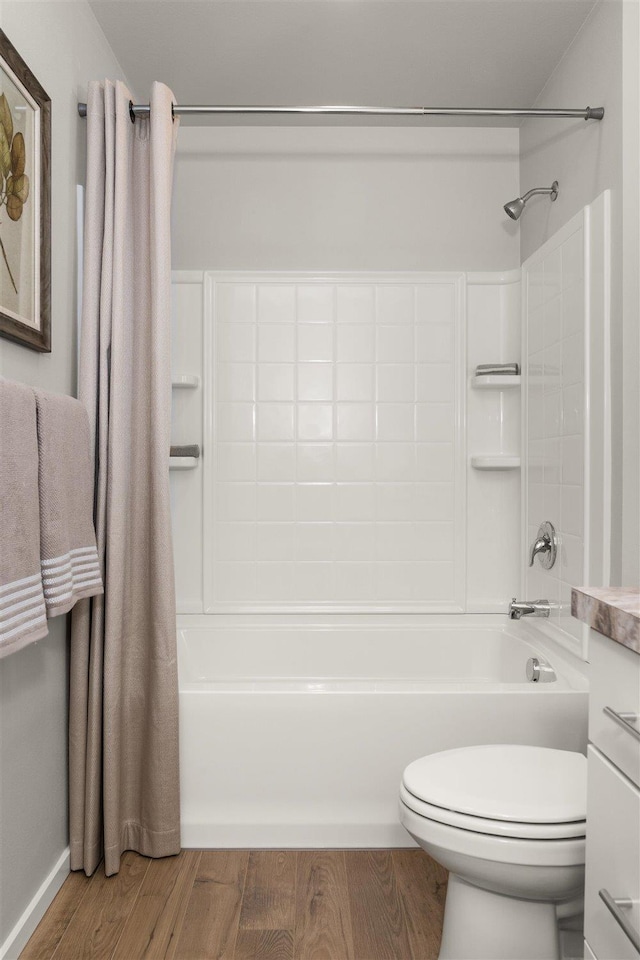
(250, 905)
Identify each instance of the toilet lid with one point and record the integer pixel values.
(503, 782)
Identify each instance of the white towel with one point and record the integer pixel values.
(497, 369)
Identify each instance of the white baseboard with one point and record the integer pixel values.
(282, 835)
(35, 911)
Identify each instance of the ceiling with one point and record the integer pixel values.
(491, 53)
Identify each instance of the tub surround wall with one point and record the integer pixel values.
(335, 472)
(601, 65)
(187, 427)
(566, 433)
(493, 429)
(64, 46)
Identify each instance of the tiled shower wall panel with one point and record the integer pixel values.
(187, 428)
(493, 427)
(556, 327)
(334, 475)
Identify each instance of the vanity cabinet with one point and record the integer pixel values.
(612, 886)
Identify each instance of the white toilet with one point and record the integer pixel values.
(508, 822)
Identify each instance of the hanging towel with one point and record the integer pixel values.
(497, 369)
(69, 558)
(187, 450)
(22, 607)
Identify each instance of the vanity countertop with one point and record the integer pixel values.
(613, 611)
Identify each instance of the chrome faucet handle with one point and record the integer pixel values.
(541, 545)
(545, 546)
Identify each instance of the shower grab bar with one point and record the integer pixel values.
(586, 113)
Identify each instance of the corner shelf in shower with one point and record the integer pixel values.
(495, 381)
(498, 461)
(185, 382)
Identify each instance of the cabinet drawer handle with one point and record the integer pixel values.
(614, 906)
(624, 720)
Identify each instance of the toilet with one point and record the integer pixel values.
(508, 823)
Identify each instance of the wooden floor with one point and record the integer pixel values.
(250, 905)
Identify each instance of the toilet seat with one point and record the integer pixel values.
(506, 790)
(497, 828)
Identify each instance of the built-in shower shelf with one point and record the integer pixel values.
(498, 461)
(183, 463)
(185, 382)
(495, 381)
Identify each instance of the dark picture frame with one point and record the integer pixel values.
(25, 188)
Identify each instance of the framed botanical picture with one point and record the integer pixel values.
(25, 203)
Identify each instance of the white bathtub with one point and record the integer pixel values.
(295, 731)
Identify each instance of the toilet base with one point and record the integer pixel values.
(480, 925)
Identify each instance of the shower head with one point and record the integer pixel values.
(515, 207)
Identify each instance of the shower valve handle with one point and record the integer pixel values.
(541, 545)
(545, 546)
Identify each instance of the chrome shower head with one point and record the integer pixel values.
(515, 207)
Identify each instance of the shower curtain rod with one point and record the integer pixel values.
(588, 113)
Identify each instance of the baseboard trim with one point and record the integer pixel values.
(35, 911)
(302, 836)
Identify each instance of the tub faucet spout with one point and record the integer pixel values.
(528, 608)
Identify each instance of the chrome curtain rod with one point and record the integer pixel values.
(588, 113)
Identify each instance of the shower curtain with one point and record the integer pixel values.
(123, 717)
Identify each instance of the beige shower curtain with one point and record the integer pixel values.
(123, 743)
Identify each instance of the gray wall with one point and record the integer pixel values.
(363, 198)
(63, 45)
(33, 769)
(587, 158)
